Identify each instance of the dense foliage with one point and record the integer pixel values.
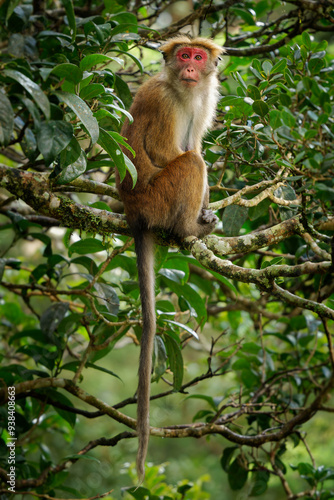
(245, 317)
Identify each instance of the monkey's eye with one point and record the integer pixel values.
(198, 57)
(185, 56)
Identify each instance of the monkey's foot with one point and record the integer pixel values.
(208, 216)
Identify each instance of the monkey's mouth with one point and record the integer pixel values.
(189, 81)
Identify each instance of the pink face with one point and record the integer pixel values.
(191, 61)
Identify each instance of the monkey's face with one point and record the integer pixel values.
(191, 63)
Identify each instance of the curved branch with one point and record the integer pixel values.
(82, 185)
(69, 386)
(264, 279)
(35, 189)
(263, 49)
(186, 430)
(39, 481)
(296, 301)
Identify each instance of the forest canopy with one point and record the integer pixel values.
(244, 357)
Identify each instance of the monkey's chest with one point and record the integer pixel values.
(187, 137)
(189, 131)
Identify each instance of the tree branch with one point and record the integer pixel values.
(35, 189)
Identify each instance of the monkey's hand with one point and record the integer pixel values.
(208, 216)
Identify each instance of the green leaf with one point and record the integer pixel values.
(11, 311)
(109, 144)
(194, 301)
(34, 90)
(102, 31)
(91, 90)
(259, 210)
(6, 119)
(108, 296)
(260, 479)
(240, 364)
(88, 245)
(321, 45)
(69, 72)
(231, 100)
(107, 120)
(140, 493)
(51, 318)
(240, 80)
(288, 118)
(285, 99)
(73, 170)
(122, 162)
(83, 112)
(227, 456)
(124, 18)
(306, 470)
(40, 355)
(184, 488)
(70, 417)
(87, 263)
(181, 325)
(29, 144)
(260, 107)
(316, 65)
(226, 282)
(70, 153)
(54, 34)
(74, 365)
(123, 91)
(68, 4)
(173, 274)
(175, 361)
(278, 67)
(134, 58)
(285, 192)
(310, 134)
(122, 140)
(267, 67)
(126, 37)
(237, 474)
(124, 262)
(245, 15)
(275, 118)
(306, 39)
(280, 465)
(252, 347)
(131, 169)
(234, 217)
(160, 357)
(92, 60)
(52, 138)
(253, 92)
(255, 72)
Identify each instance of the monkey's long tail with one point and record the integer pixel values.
(145, 261)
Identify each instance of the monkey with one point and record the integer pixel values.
(171, 113)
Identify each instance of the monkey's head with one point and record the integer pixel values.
(191, 59)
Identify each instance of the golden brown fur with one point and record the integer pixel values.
(170, 120)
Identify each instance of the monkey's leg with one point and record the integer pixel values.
(176, 195)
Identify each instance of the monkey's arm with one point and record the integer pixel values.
(153, 132)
